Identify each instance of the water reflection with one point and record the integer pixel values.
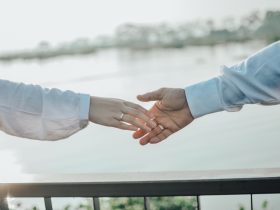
(223, 144)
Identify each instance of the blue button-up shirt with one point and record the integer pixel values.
(256, 80)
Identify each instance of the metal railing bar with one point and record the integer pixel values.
(198, 202)
(252, 201)
(146, 203)
(48, 203)
(143, 189)
(96, 203)
(4, 204)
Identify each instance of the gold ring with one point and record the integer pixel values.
(158, 103)
(161, 127)
(121, 118)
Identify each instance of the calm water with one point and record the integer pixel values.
(247, 139)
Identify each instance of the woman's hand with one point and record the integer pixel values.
(120, 114)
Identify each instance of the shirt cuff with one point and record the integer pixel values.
(84, 109)
(203, 98)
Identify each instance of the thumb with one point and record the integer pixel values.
(151, 96)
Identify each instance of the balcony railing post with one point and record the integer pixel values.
(198, 202)
(48, 203)
(252, 203)
(96, 204)
(146, 203)
(4, 204)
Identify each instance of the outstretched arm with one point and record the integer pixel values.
(30, 111)
(255, 80)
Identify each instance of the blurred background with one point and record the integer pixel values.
(127, 47)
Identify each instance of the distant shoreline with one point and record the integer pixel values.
(45, 54)
(162, 36)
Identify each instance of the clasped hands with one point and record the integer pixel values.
(169, 114)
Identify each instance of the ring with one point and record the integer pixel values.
(121, 118)
(161, 127)
(158, 103)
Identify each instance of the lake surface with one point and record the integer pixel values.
(246, 139)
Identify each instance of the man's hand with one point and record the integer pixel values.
(171, 112)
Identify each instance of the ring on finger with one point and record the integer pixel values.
(159, 103)
(121, 117)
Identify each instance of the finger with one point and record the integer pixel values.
(151, 96)
(140, 108)
(161, 136)
(136, 106)
(139, 133)
(138, 114)
(146, 139)
(124, 126)
(132, 120)
(155, 140)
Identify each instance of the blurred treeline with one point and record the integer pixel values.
(255, 26)
(251, 27)
(125, 203)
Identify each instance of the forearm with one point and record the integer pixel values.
(255, 80)
(30, 111)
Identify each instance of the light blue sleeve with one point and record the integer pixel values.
(255, 80)
(29, 111)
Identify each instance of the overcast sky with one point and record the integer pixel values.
(25, 23)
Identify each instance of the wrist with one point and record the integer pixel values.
(93, 108)
(189, 113)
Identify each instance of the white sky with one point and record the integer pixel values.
(25, 23)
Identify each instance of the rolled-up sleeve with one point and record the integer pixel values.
(255, 80)
(29, 111)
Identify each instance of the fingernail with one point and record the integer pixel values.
(142, 143)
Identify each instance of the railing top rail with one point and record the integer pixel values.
(144, 176)
(250, 181)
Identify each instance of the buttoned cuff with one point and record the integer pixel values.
(203, 98)
(84, 109)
